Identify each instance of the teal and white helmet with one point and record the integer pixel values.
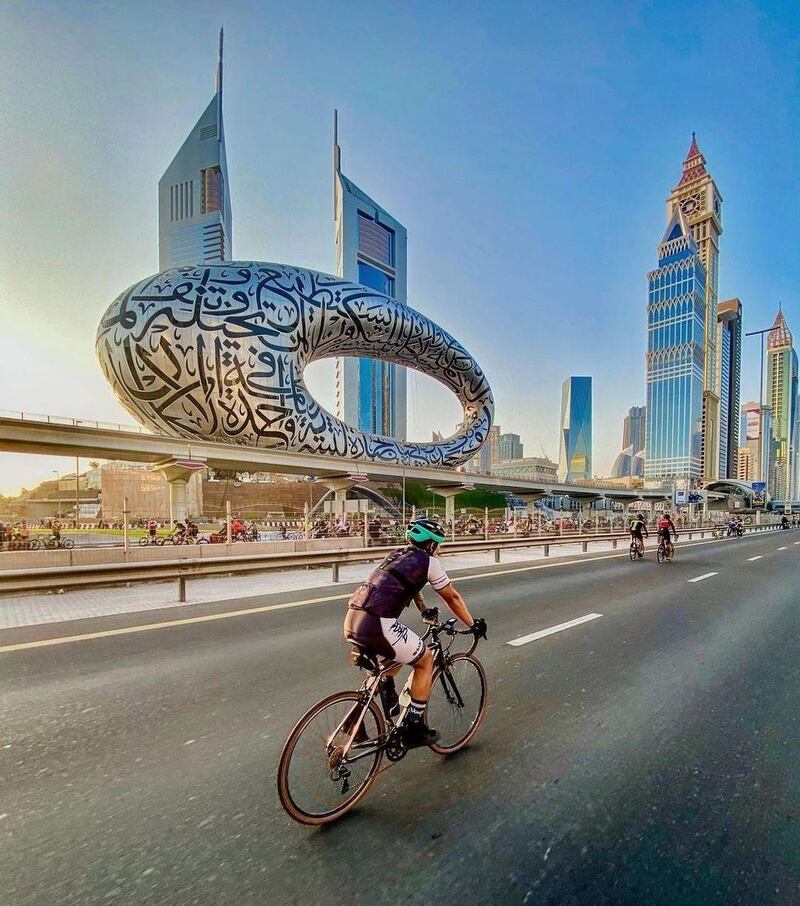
(423, 531)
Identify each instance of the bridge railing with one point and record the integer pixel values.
(72, 422)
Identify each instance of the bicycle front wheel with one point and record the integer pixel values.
(457, 704)
(316, 785)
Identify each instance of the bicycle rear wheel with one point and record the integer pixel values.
(633, 552)
(311, 787)
(457, 704)
(661, 554)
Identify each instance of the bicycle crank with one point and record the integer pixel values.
(396, 746)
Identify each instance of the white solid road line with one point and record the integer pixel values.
(524, 639)
(750, 559)
(704, 576)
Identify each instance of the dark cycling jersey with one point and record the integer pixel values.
(637, 527)
(391, 587)
(374, 607)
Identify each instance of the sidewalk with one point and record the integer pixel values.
(31, 610)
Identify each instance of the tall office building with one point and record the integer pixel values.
(634, 428)
(676, 350)
(729, 367)
(509, 447)
(575, 454)
(755, 432)
(194, 202)
(371, 250)
(782, 398)
(696, 194)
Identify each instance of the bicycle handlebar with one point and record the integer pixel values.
(448, 628)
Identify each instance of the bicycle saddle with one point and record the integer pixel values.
(362, 659)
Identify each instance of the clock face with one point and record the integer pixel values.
(691, 206)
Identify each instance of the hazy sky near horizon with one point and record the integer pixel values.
(527, 147)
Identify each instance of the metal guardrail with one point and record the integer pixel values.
(72, 422)
(61, 577)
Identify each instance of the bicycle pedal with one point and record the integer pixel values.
(396, 746)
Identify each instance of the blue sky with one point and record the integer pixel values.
(527, 147)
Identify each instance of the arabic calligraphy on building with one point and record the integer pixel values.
(217, 352)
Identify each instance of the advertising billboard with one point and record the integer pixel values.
(752, 424)
(759, 493)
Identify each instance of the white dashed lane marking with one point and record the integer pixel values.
(781, 548)
(750, 559)
(524, 639)
(704, 576)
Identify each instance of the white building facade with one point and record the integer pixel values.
(194, 203)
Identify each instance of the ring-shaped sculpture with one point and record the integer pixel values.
(217, 352)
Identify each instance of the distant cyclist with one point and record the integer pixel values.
(638, 530)
(152, 528)
(667, 530)
(373, 618)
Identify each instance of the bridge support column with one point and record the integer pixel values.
(449, 494)
(178, 472)
(339, 486)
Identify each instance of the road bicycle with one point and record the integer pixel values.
(153, 539)
(52, 543)
(636, 551)
(666, 550)
(335, 751)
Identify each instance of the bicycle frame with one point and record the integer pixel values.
(370, 686)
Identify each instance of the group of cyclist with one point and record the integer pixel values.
(666, 531)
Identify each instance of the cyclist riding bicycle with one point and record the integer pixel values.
(666, 529)
(372, 621)
(152, 528)
(638, 529)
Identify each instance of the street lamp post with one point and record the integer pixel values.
(58, 490)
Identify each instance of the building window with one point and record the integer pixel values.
(213, 190)
(375, 240)
(376, 279)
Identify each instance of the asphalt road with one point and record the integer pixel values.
(651, 755)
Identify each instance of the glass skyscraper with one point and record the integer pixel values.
(782, 400)
(729, 347)
(194, 202)
(509, 447)
(696, 194)
(371, 250)
(676, 351)
(575, 454)
(634, 428)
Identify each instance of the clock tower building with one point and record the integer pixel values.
(697, 196)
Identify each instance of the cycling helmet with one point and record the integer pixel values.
(424, 530)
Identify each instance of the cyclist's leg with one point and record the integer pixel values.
(410, 649)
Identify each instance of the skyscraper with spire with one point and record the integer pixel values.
(371, 250)
(194, 202)
(676, 351)
(697, 196)
(782, 399)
